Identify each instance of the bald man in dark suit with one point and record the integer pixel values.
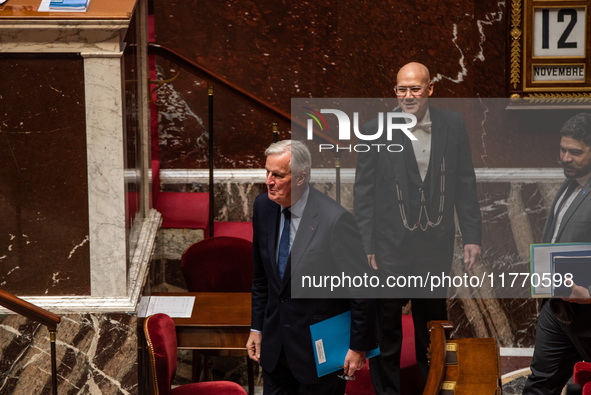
(405, 205)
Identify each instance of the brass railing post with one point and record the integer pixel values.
(275, 132)
(37, 314)
(211, 183)
(52, 337)
(337, 165)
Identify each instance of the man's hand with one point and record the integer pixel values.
(471, 252)
(253, 345)
(578, 295)
(354, 360)
(371, 261)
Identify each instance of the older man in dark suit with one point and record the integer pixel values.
(292, 216)
(563, 334)
(404, 205)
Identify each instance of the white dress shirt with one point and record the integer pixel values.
(422, 145)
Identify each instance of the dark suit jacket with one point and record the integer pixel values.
(575, 227)
(327, 236)
(376, 206)
(576, 223)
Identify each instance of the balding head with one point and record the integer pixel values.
(413, 88)
(414, 70)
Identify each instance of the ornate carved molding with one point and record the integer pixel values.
(516, 37)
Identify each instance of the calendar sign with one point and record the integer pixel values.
(550, 51)
(559, 32)
(558, 72)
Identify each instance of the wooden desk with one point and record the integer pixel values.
(97, 9)
(219, 321)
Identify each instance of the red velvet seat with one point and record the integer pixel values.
(219, 264)
(242, 230)
(410, 377)
(582, 376)
(161, 339)
(188, 210)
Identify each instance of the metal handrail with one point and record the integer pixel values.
(37, 314)
(160, 50)
(182, 61)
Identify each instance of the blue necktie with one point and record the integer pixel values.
(284, 243)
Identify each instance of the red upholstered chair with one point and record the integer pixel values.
(410, 377)
(582, 376)
(219, 264)
(190, 210)
(234, 229)
(179, 209)
(161, 339)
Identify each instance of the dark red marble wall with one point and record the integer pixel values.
(281, 49)
(43, 185)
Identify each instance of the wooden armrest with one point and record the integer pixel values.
(438, 336)
(461, 366)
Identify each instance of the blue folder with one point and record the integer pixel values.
(68, 4)
(330, 341)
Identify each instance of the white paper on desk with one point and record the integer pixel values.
(173, 306)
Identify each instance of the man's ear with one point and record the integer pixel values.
(301, 179)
